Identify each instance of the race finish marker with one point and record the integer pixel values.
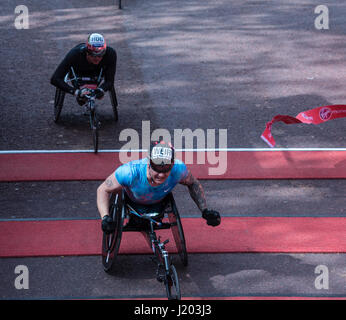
(29, 238)
(229, 163)
(315, 116)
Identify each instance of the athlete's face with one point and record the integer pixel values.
(157, 177)
(93, 59)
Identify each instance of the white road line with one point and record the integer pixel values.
(178, 150)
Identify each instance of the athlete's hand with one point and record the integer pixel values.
(99, 93)
(81, 93)
(108, 225)
(213, 217)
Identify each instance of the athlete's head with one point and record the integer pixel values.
(95, 48)
(161, 156)
(161, 161)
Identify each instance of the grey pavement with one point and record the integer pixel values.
(216, 275)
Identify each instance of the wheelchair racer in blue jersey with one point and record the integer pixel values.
(147, 182)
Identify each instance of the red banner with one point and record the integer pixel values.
(315, 116)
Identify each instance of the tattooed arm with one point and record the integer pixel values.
(196, 191)
(110, 185)
(197, 194)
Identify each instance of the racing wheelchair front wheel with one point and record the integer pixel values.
(111, 242)
(172, 284)
(94, 125)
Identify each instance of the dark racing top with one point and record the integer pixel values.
(76, 58)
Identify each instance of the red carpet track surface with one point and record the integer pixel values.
(232, 165)
(235, 234)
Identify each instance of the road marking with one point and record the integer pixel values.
(178, 150)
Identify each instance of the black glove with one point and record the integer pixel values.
(108, 225)
(213, 217)
(99, 93)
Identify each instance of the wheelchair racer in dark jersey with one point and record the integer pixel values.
(147, 182)
(88, 62)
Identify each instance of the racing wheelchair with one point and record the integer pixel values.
(128, 219)
(78, 82)
(90, 83)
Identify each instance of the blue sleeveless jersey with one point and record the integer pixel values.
(132, 176)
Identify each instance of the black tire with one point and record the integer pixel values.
(114, 102)
(94, 128)
(120, 4)
(111, 242)
(58, 103)
(178, 232)
(95, 134)
(172, 284)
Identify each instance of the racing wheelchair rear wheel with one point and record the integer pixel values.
(111, 242)
(114, 102)
(58, 103)
(178, 232)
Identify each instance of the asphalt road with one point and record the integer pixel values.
(182, 64)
